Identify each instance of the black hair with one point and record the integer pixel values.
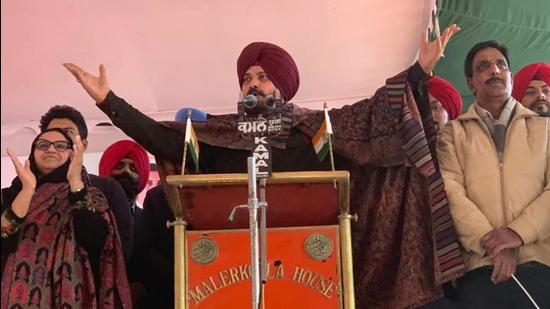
(469, 62)
(68, 112)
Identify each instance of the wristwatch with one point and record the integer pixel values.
(78, 190)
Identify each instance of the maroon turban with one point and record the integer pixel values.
(276, 62)
(523, 78)
(447, 94)
(126, 149)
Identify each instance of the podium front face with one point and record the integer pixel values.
(303, 268)
(308, 241)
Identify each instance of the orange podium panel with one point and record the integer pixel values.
(308, 241)
(303, 268)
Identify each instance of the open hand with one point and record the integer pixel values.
(24, 173)
(431, 52)
(96, 86)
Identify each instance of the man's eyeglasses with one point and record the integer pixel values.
(59, 146)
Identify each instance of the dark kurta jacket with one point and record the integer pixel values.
(158, 253)
(404, 244)
(119, 205)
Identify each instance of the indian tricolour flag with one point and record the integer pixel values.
(192, 142)
(321, 139)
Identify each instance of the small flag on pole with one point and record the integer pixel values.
(321, 139)
(192, 142)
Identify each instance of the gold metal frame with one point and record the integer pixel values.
(340, 177)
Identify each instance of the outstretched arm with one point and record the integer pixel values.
(158, 139)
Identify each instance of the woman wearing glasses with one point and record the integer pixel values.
(60, 248)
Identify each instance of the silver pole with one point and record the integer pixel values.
(254, 237)
(263, 232)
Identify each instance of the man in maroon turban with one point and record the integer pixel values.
(532, 87)
(445, 101)
(404, 244)
(262, 66)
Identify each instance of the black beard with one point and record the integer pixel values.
(540, 103)
(130, 185)
(256, 92)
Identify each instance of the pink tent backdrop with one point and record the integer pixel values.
(164, 55)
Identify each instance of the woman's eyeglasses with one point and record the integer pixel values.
(59, 146)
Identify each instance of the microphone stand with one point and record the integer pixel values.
(263, 237)
(254, 237)
(258, 230)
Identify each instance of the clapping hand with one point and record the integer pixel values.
(75, 167)
(24, 173)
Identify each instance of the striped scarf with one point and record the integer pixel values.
(448, 260)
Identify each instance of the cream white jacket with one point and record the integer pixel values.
(486, 192)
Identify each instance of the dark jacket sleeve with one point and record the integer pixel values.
(8, 244)
(417, 78)
(89, 227)
(119, 205)
(90, 230)
(158, 139)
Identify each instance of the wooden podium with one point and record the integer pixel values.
(308, 241)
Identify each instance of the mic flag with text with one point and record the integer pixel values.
(192, 142)
(321, 138)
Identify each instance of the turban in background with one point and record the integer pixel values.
(276, 62)
(523, 78)
(126, 149)
(447, 94)
(196, 114)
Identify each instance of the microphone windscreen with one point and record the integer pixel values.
(250, 101)
(269, 102)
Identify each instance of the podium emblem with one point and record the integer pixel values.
(318, 246)
(204, 250)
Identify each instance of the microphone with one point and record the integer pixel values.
(255, 104)
(250, 101)
(269, 102)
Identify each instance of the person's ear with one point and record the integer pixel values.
(471, 85)
(85, 144)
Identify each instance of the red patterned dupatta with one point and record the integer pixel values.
(50, 269)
